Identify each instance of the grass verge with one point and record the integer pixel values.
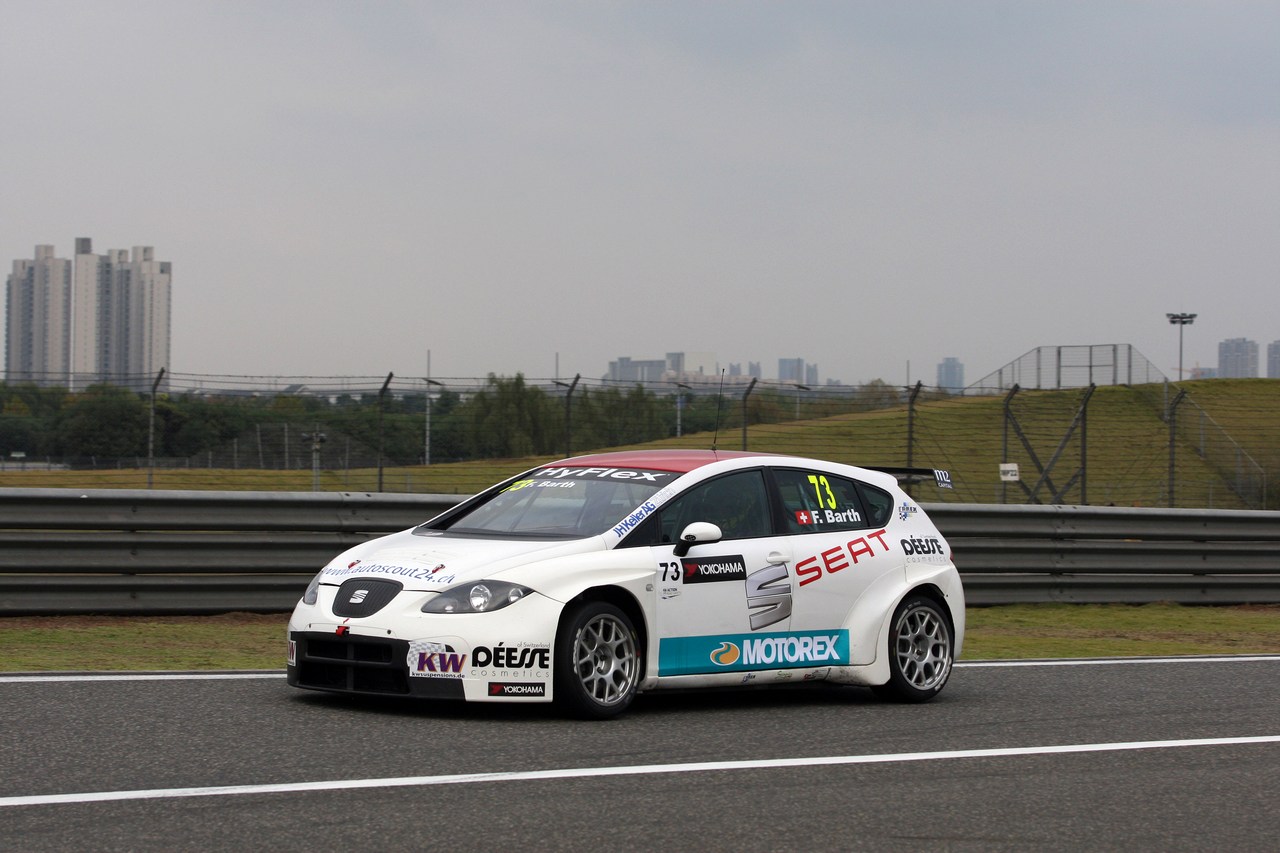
(256, 641)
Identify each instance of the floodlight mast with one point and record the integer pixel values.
(1180, 320)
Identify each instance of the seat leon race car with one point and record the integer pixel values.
(588, 580)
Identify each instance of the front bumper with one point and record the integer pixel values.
(502, 656)
(361, 664)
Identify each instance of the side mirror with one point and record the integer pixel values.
(697, 533)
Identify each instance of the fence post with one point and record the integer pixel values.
(911, 417)
(151, 431)
(1173, 438)
(1004, 440)
(568, 403)
(381, 412)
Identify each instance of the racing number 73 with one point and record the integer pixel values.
(670, 571)
(820, 485)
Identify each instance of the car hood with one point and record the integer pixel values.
(435, 562)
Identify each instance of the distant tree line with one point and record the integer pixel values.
(504, 418)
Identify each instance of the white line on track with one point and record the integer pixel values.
(140, 676)
(981, 664)
(639, 770)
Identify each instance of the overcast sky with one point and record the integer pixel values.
(524, 186)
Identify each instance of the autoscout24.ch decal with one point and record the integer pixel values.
(740, 652)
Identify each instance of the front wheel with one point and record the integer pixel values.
(920, 651)
(597, 664)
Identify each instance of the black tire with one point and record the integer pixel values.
(921, 651)
(597, 663)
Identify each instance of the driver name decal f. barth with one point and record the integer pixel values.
(819, 517)
(539, 484)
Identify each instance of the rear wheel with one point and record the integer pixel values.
(597, 661)
(920, 651)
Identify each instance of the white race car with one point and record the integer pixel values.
(591, 579)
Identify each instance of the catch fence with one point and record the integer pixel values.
(1090, 444)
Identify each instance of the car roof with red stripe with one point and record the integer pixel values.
(680, 461)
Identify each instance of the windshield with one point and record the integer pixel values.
(559, 503)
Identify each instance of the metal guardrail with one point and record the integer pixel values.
(67, 551)
(119, 551)
(1079, 554)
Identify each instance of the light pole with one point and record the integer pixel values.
(1180, 320)
(426, 430)
(680, 404)
(799, 388)
(316, 438)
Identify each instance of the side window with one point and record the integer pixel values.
(814, 502)
(736, 503)
(879, 504)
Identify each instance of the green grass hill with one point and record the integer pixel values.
(1115, 450)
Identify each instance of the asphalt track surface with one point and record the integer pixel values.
(1176, 754)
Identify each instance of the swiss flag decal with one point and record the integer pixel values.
(803, 516)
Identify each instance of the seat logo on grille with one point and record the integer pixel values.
(358, 596)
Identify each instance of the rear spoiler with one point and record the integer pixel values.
(915, 475)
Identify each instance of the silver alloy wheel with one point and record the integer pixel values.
(923, 647)
(605, 660)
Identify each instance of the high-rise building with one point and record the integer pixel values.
(795, 370)
(626, 369)
(101, 318)
(1273, 360)
(38, 314)
(951, 374)
(1238, 359)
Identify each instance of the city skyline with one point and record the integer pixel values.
(538, 187)
(134, 288)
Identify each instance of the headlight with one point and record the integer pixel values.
(478, 597)
(313, 590)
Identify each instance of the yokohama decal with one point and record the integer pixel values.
(517, 688)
